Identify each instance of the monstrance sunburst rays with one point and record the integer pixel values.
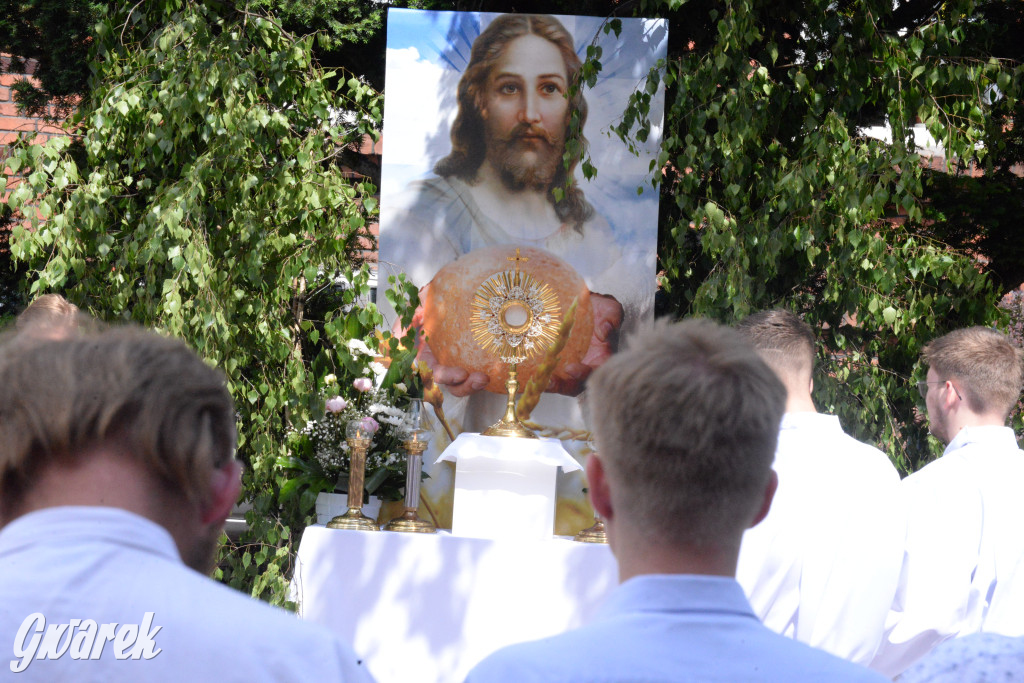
(514, 316)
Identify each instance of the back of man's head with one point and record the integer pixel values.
(48, 316)
(784, 342)
(686, 422)
(147, 397)
(986, 366)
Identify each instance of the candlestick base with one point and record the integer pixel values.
(410, 523)
(353, 519)
(593, 534)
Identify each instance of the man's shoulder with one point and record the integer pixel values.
(658, 646)
(819, 439)
(262, 635)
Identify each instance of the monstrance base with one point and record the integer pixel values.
(513, 429)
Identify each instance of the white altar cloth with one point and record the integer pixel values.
(505, 487)
(470, 446)
(428, 607)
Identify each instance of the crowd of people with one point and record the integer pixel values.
(755, 540)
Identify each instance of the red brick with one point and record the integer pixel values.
(368, 146)
(11, 79)
(47, 129)
(8, 109)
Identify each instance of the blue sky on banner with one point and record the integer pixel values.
(426, 54)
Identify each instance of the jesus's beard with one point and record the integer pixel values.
(527, 159)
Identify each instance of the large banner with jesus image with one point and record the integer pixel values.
(477, 121)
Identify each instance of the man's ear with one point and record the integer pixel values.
(225, 485)
(766, 502)
(951, 399)
(597, 483)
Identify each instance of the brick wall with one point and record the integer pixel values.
(11, 123)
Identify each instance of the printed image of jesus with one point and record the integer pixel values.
(502, 181)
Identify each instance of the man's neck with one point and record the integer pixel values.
(798, 386)
(102, 477)
(967, 420)
(534, 215)
(639, 556)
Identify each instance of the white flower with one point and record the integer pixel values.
(330, 380)
(378, 368)
(400, 386)
(358, 346)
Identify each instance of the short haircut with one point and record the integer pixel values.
(467, 134)
(48, 314)
(784, 341)
(986, 365)
(148, 396)
(687, 421)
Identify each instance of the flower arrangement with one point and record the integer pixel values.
(319, 453)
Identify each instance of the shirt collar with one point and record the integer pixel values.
(817, 421)
(71, 524)
(678, 593)
(991, 435)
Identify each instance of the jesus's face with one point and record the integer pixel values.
(525, 113)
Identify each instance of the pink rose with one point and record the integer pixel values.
(362, 384)
(368, 424)
(336, 404)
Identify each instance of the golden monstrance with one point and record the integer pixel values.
(515, 315)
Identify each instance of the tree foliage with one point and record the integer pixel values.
(772, 196)
(202, 194)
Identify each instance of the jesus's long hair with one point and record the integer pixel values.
(468, 147)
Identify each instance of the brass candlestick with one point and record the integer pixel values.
(358, 439)
(410, 520)
(415, 435)
(593, 534)
(515, 316)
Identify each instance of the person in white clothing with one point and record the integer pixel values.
(824, 564)
(685, 422)
(117, 472)
(964, 542)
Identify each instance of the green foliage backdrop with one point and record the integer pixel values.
(202, 195)
(773, 197)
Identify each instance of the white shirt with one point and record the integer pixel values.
(106, 564)
(824, 564)
(971, 659)
(964, 544)
(660, 628)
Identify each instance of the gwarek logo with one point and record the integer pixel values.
(82, 639)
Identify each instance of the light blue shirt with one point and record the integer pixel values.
(669, 628)
(978, 657)
(78, 570)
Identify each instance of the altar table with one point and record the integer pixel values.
(428, 607)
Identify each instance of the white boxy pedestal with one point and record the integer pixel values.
(505, 487)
